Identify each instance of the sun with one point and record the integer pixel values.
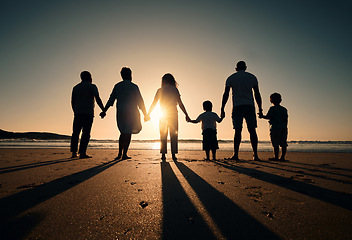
(156, 115)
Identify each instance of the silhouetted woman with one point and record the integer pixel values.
(169, 98)
(128, 102)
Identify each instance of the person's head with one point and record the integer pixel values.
(275, 98)
(207, 106)
(241, 65)
(126, 73)
(86, 76)
(168, 79)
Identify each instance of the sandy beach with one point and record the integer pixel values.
(46, 195)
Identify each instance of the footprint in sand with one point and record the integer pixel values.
(143, 204)
(303, 178)
(255, 193)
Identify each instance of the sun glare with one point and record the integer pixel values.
(156, 115)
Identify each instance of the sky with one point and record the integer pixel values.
(300, 49)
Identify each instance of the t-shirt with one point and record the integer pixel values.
(169, 97)
(242, 84)
(208, 120)
(278, 117)
(83, 97)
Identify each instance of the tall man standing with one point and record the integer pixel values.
(243, 84)
(82, 102)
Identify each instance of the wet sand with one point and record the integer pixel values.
(46, 195)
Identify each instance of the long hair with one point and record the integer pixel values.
(168, 79)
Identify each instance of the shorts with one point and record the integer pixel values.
(278, 137)
(210, 141)
(244, 111)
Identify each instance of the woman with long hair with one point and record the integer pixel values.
(169, 98)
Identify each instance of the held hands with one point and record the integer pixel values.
(147, 118)
(187, 118)
(222, 114)
(260, 114)
(102, 115)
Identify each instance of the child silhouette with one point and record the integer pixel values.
(208, 119)
(278, 119)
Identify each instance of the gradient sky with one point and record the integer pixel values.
(301, 49)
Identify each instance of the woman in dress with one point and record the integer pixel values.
(128, 103)
(169, 98)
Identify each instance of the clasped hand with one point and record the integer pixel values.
(102, 114)
(147, 118)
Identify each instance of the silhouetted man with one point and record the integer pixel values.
(82, 101)
(242, 83)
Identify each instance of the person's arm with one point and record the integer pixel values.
(182, 107)
(258, 98)
(73, 101)
(268, 115)
(141, 106)
(155, 101)
(225, 97)
(193, 121)
(260, 115)
(99, 102)
(108, 104)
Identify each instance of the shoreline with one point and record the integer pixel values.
(180, 151)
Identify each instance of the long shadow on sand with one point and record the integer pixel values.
(16, 204)
(233, 221)
(340, 199)
(34, 165)
(326, 166)
(180, 218)
(277, 167)
(330, 171)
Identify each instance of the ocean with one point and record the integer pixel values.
(186, 145)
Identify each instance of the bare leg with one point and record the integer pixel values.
(214, 154)
(254, 142)
(127, 141)
(236, 143)
(276, 152)
(124, 143)
(283, 153)
(121, 143)
(207, 153)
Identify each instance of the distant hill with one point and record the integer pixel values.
(32, 135)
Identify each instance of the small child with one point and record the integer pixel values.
(208, 119)
(278, 119)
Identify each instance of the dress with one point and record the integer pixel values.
(128, 101)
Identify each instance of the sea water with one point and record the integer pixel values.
(186, 145)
